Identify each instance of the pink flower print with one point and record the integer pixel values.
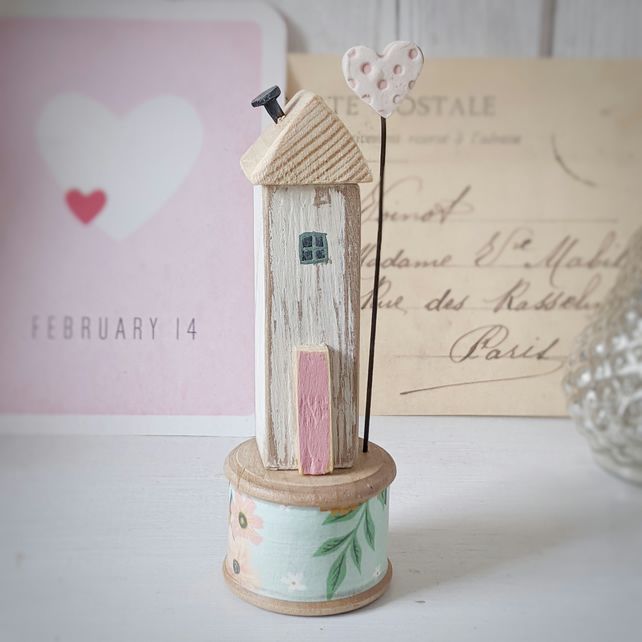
(244, 521)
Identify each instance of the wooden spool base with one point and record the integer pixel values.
(333, 607)
(279, 520)
(372, 472)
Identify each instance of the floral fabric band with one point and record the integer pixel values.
(304, 554)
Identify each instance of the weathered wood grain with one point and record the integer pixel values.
(598, 29)
(331, 26)
(310, 305)
(461, 28)
(467, 28)
(372, 472)
(260, 328)
(309, 145)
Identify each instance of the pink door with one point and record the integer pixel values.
(313, 409)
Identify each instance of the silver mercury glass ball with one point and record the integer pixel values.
(603, 381)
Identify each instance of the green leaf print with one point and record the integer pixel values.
(383, 497)
(336, 575)
(355, 549)
(332, 518)
(331, 545)
(369, 529)
(350, 541)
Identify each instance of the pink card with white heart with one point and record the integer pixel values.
(126, 235)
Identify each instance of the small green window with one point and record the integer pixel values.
(313, 248)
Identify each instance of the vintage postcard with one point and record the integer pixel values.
(126, 229)
(511, 189)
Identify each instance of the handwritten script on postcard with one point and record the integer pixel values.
(511, 189)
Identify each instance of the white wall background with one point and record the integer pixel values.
(468, 28)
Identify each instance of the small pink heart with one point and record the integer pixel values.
(383, 80)
(85, 207)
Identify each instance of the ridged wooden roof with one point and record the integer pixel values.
(310, 145)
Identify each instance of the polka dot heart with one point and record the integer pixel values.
(383, 80)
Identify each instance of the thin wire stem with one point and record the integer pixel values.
(375, 289)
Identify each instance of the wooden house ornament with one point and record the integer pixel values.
(306, 169)
(308, 507)
(313, 543)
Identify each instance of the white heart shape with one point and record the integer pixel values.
(383, 80)
(139, 160)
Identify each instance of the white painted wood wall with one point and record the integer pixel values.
(307, 305)
(469, 28)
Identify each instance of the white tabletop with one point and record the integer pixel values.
(501, 529)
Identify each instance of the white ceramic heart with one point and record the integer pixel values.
(383, 80)
(138, 160)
